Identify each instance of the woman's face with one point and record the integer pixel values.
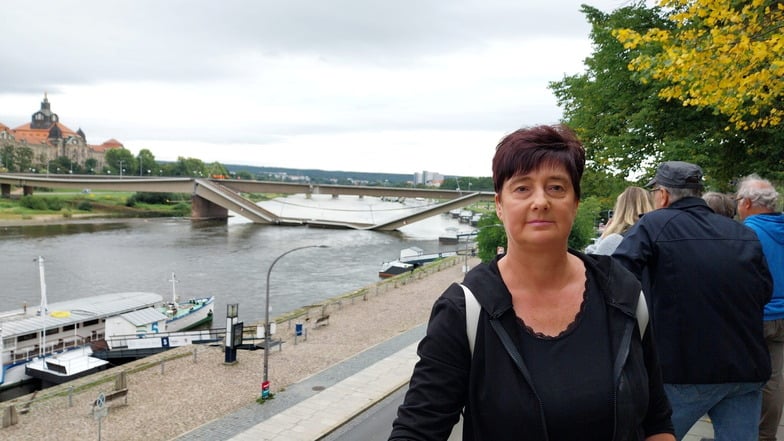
(538, 208)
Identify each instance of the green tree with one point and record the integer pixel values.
(115, 159)
(491, 237)
(145, 161)
(23, 157)
(627, 128)
(217, 169)
(8, 158)
(584, 227)
(188, 167)
(90, 164)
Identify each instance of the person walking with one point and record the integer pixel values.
(707, 283)
(557, 352)
(630, 205)
(757, 202)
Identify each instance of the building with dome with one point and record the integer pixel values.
(45, 138)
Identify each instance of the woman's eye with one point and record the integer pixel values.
(521, 188)
(556, 188)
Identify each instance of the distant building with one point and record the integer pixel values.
(48, 139)
(431, 179)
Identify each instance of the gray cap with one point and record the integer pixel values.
(677, 174)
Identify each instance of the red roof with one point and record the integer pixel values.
(107, 145)
(39, 136)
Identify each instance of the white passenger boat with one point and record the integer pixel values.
(53, 341)
(27, 334)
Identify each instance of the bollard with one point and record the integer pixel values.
(194, 353)
(10, 417)
(70, 396)
(162, 366)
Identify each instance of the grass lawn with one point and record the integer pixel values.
(75, 204)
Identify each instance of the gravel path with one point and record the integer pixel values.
(177, 395)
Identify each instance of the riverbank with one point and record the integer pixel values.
(172, 397)
(56, 219)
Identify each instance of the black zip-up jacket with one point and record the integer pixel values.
(707, 282)
(493, 390)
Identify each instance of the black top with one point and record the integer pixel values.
(562, 366)
(493, 391)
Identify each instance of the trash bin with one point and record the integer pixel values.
(298, 329)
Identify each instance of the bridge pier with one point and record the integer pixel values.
(202, 209)
(5, 191)
(27, 190)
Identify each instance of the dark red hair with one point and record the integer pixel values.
(526, 150)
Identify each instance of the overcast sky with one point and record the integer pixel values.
(361, 85)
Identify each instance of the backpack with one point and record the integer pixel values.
(473, 308)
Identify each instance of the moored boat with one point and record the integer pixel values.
(191, 313)
(27, 334)
(410, 259)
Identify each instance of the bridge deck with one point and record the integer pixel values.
(226, 193)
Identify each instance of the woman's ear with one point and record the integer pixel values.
(498, 210)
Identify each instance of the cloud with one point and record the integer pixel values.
(277, 74)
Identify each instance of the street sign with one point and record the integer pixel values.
(100, 410)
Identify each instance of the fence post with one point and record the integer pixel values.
(10, 417)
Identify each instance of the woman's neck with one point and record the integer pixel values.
(537, 269)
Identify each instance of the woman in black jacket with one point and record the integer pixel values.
(558, 353)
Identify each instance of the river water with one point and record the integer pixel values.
(229, 260)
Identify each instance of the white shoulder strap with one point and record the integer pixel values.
(642, 314)
(473, 308)
(472, 316)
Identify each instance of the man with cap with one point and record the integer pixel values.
(707, 283)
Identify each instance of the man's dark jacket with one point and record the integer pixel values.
(492, 389)
(707, 283)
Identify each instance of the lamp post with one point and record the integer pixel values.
(265, 382)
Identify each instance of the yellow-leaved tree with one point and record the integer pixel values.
(727, 55)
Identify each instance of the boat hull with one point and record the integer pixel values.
(70, 365)
(191, 314)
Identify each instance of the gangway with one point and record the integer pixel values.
(143, 345)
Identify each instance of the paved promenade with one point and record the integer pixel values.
(316, 406)
(306, 412)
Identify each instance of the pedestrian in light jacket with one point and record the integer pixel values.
(757, 201)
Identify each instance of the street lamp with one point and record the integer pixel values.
(265, 382)
(121, 168)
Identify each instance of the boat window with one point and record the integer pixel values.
(56, 368)
(52, 331)
(27, 337)
(69, 327)
(91, 323)
(8, 342)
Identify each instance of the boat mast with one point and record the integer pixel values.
(174, 281)
(43, 309)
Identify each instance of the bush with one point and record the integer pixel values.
(583, 230)
(150, 198)
(182, 209)
(54, 204)
(33, 202)
(85, 206)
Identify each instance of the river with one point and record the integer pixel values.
(229, 260)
